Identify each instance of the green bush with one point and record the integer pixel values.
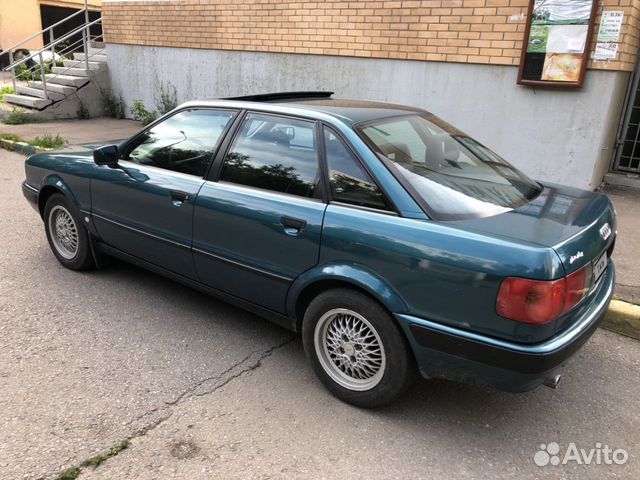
(6, 90)
(83, 111)
(18, 116)
(48, 141)
(166, 98)
(114, 107)
(141, 114)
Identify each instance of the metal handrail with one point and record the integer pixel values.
(52, 44)
(35, 35)
(62, 53)
(85, 30)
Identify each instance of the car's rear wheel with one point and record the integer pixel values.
(356, 348)
(68, 239)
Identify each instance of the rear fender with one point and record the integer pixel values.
(356, 275)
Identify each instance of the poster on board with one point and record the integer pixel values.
(556, 42)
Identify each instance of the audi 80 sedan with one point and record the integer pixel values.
(393, 242)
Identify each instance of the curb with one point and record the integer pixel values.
(21, 147)
(623, 318)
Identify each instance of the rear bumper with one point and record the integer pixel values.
(448, 352)
(31, 194)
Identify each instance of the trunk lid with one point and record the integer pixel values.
(578, 224)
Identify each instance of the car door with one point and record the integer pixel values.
(145, 206)
(258, 227)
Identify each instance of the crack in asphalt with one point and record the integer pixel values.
(248, 364)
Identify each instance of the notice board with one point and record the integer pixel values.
(556, 43)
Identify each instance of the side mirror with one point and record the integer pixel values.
(107, 155)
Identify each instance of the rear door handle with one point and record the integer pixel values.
(177, 198)
(293, 225)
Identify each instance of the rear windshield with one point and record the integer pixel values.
(453, 176)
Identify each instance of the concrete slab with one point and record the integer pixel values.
(77, 132)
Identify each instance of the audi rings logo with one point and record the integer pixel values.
(605, 231)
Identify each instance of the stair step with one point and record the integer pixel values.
(37, 92)
(92, 57)
(96, 44)
(54, 87)
(81, 64)
(95, 50)
(26, 101)
(71, 80)
(76, 72)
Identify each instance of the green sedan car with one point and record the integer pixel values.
(393, 242)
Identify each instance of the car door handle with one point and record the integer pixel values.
(177, 198)
(293, 226)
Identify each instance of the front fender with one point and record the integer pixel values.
(55, 182)
(354, 274)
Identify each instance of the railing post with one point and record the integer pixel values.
(53, 49)
(85, 43)
(13, 70)
(42, 77)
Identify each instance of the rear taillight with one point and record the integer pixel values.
(578, 285)
(538, 301)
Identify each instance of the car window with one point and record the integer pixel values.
(455, 176)
(274, 153)
(183, 142)
(348, 180)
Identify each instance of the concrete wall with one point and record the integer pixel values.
(564, 136)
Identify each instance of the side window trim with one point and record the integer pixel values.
(215, 169)
(217, 165)
(394, 210)
(234, 111)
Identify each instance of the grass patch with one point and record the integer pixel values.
(48, 141)
(100, 459)
(114, 107)
(6, 90)
(69, 474)
(10, 136)
(18, 116)
(74, 472)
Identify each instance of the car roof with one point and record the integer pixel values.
(353, 111)
(349, 112)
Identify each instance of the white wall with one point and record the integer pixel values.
(564, 136)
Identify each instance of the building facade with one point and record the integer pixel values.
(456, 58)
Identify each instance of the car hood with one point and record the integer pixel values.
(571, 221)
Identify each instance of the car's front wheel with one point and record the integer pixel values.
(67, 237)
(356, 348)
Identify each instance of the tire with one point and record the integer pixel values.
(68, 238)
(366, 374)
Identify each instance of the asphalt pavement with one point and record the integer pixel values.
(204, 390)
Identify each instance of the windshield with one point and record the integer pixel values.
(454, 176)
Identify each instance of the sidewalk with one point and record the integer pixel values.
(627, 251)
(77, 132)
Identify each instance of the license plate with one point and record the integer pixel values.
(600, 266)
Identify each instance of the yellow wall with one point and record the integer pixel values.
(20, 19)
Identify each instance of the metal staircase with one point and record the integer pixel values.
(47, 79)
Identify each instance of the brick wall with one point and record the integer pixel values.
(468, 31)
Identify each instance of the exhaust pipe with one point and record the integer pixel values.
(552, 381)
